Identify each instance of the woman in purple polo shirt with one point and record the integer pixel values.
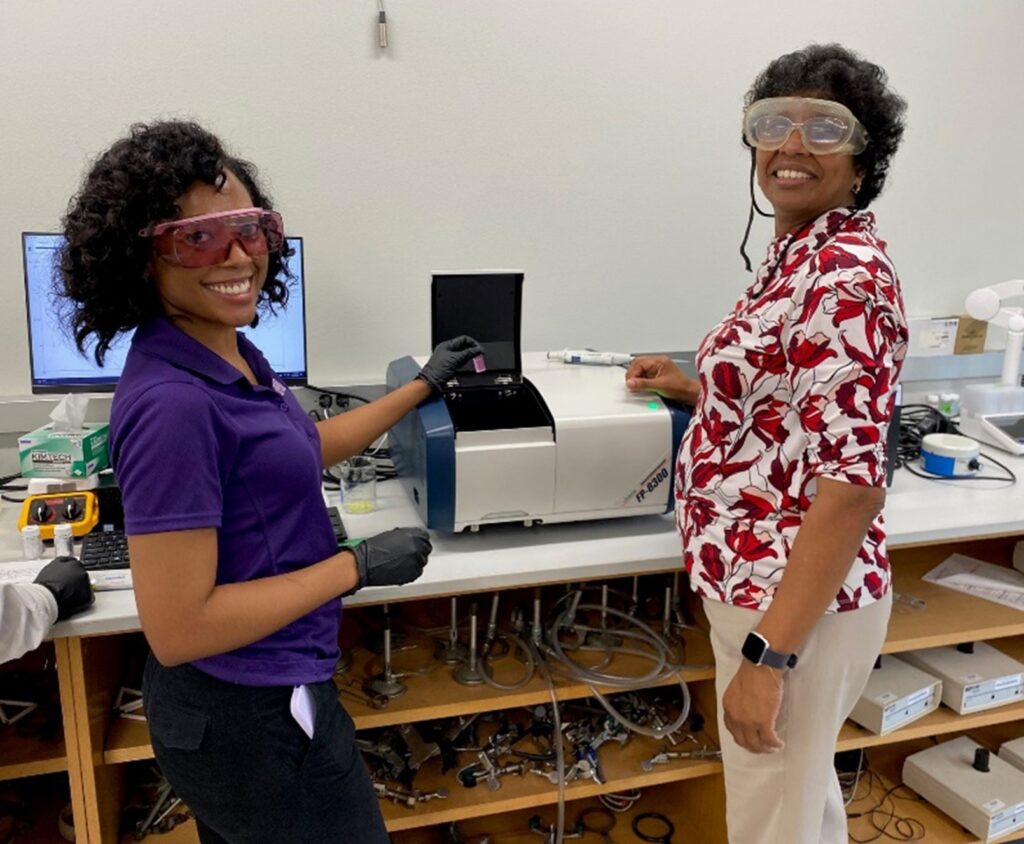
(236, 570)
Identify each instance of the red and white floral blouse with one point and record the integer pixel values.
(797, 383)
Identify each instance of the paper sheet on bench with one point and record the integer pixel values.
(983, 580)
(21, 571)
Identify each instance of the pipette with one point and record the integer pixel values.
(590, 358)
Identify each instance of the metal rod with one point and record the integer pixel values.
(535, 633)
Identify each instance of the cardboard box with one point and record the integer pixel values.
(47, 454)
(970, 336)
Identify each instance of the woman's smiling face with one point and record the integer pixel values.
(800, 185)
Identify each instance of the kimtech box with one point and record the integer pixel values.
(46, 453)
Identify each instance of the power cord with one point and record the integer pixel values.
(340, 398)
(1009, 477)
(918, 421)
(6, 486)
(881, 815)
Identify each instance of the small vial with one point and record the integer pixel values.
(949, 404)
(954, 404)
(932, 400)
(63, 541)
(31, 542)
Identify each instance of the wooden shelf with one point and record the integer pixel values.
(621, 767)
(514, 827)
(430, 696)
(939, 828)
(127, 741)
(949, 617)
(697, 810)
(22, 756)
(942, 720)
(437, 695)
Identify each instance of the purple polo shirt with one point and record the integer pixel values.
(194, 445)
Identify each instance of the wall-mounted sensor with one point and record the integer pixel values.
(382, 25)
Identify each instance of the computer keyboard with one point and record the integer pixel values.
(105, 549)
(108, 549)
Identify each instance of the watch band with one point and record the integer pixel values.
(757, 650)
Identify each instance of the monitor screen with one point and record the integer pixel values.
(58, 366)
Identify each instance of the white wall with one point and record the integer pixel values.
(593, 143)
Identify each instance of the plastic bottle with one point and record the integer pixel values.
(63, 541)
(949, 404)
(31, 542)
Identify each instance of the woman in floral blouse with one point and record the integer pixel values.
(780, 479)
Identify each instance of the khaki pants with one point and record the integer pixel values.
(792, 796)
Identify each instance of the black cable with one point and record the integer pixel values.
(5, 482)
(904, 828)
(750, 216)
(336, 393)
(1009, 478)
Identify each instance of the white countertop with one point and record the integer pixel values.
(917, 511)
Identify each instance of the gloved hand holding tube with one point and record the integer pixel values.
(447, 359)
(392, 558)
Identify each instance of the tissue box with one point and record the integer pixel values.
(46, 453)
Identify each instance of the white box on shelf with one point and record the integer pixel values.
(932, 336)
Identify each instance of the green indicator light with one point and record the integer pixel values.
(653, 405)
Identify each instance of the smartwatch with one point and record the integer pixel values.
(758, 651)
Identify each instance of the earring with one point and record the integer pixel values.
(856, 188)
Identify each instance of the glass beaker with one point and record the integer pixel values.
(358, 484)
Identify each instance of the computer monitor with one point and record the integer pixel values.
(58, 366)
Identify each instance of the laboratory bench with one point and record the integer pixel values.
(926, 521)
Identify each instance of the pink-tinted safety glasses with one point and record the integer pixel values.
(208, 239)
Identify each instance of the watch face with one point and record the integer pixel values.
(753, 648)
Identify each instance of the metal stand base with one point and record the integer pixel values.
(385, 686)
(468, 675)
(452, 653)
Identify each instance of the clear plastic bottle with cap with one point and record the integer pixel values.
(31, 542)
(63, 541)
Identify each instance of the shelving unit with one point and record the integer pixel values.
(939, 828)
(99, 745)
(942, 720)
(29, 756)
(950, 617)
(437, 695)
(685, 806)
(621, 767)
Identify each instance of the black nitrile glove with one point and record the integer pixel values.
(68, 580)
(392, 558)
(447, 359)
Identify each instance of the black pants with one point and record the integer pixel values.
(237, 758)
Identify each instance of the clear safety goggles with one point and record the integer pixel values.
(826, 127)
(208, 239)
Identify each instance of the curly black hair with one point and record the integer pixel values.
(833, 72)
(102, 280)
